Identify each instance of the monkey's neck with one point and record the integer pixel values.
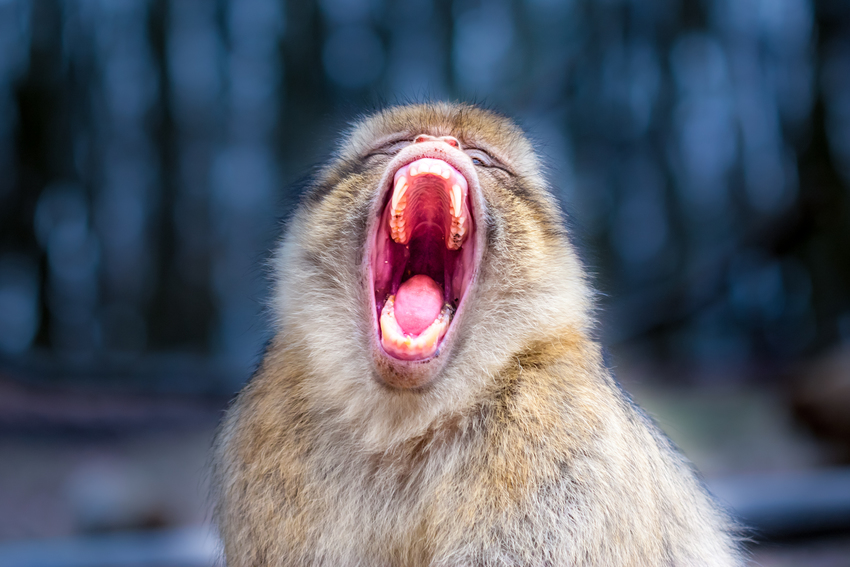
(373, 418)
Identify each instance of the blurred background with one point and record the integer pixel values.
(151, 149)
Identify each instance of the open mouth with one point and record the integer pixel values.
(422, 258)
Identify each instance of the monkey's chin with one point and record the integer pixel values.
(422, 257)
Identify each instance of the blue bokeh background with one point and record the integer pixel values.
(150, 149)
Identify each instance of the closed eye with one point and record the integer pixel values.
(390, 148)
(480, 157)
(483, 159)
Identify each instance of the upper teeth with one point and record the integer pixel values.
(456, 200)
(427, 166)
(399, 191)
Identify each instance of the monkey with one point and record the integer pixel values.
(435, 393)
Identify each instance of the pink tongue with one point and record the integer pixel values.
(418, 302)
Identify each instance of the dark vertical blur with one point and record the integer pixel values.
(148, 147)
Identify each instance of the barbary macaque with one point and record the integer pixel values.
(434, 394)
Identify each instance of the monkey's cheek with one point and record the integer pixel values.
(405, 346)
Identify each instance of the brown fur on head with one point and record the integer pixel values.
(529, 286)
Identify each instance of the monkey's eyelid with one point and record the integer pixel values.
(481, 156)
(390, 147)
(484, 159)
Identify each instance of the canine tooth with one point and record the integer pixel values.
(400, 190)
(456, 199)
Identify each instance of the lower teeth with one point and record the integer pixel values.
(397, 343)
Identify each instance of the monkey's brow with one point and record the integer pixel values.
(467, 142)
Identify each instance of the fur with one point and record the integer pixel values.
(522, 450)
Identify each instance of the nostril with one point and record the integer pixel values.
(450, 140)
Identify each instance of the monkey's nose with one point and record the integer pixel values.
(450, 140)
